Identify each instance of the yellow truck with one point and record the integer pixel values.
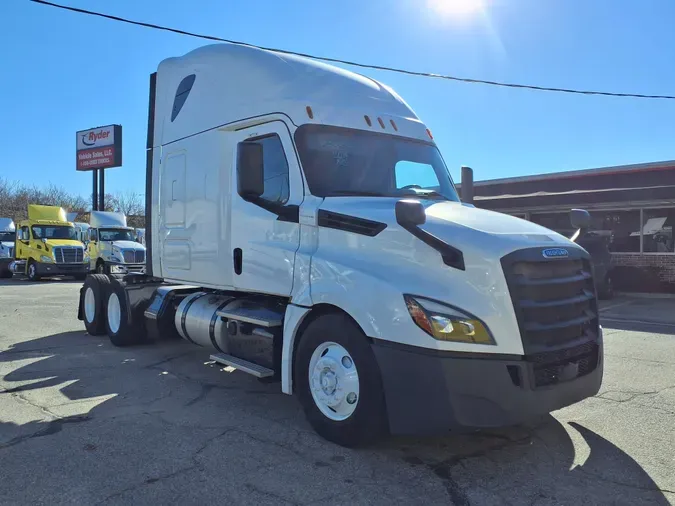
(47, 245)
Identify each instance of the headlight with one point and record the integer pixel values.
(446, 323)
(46, 259)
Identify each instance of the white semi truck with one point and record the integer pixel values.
(302, 225)
(7, 240)
(112, 244)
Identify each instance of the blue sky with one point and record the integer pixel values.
(64, 72)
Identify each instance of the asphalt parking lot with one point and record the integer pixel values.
(83, 422)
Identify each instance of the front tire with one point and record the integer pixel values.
(95, 291)
(120, 325)
(31, 271)
(338, 382)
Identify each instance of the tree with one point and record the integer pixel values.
(15, 198)
(129, 203)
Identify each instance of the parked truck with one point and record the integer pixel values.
(112, 245)
(7, 236)
(81, 227)
(303, 226)
(140, 235)
(47, 244)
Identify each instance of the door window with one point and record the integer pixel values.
(275, 169)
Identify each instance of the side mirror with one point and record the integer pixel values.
(93, 236)
(410, 213)
(250, 171)
(580, 220)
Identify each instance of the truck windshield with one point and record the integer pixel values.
(7, 236)
(341, 161)
(115, 234)
(54, 232)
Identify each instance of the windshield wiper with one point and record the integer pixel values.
(357, 193)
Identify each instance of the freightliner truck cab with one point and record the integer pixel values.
(47, 244)
(7, 238)
(303, 226)
(112, 244)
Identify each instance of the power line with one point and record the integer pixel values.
(351, 63)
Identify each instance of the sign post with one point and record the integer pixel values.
(98, 149)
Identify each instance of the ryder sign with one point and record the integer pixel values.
(99, 148)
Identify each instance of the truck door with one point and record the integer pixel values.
(265, 235)
(22, 245)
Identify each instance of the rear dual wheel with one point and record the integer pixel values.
(95, 293)
(122, 328)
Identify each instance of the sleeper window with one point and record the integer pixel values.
(181, 95)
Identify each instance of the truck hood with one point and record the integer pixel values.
(4, 251)
(64, 242)
(473, 230)
(488, 222)
(127, 245)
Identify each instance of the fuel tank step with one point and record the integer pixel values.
(255, 315)
(243, 365)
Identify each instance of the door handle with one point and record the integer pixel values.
(238, 256)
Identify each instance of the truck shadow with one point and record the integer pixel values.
(74, 398)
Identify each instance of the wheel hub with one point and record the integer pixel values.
(114, 313)
(329, 381)
(89, 304)
(334, 381)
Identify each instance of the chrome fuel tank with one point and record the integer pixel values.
(197, 321)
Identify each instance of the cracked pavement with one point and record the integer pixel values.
(83, 422)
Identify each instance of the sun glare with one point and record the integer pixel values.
(456, 7)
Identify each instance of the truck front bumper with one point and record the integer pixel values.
(428, 391)
(120, 268)
(45, 269)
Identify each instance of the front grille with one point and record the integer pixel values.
(554, 299)
(134, 256)
(68, 254)
(551, 368)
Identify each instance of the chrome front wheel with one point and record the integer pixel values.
(334, 381)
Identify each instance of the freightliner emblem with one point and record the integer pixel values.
(555, 253)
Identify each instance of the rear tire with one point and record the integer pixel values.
(331, 350)
(120, 325)
(95, 290)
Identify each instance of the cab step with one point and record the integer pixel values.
(243, 365)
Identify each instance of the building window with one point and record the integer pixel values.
(558, 222)
(622, 228)
(657, 230)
